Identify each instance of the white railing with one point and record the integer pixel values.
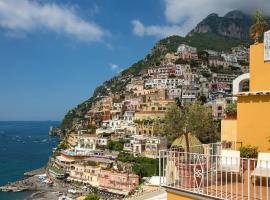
(220, 176)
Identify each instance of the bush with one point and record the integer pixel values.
(92, 197)
(116, 145)
(231, 109)
(142, 166)
(249, 152)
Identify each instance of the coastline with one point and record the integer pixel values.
(33, 184)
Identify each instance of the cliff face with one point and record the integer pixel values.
(234, 24)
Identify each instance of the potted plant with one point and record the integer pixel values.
(231, 111)
(259, 27)
(248, 152)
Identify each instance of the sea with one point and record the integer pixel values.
(24, 146)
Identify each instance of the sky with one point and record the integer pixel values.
(54, 53)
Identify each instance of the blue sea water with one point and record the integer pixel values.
(24, 146)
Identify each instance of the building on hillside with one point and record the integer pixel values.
(163, 71)
(220, 170)
(241, 53)
(217, 61)
(218, 106)
(135, 84)
(231, 58)
(164, 83)
(174, 93)
(86, 142)
(149, 115)
(156, 105)
(128, 116)
(189, 94)
(136, 144)
(171, 57)
(85, 173)
(154, 95)
(118, 182)
(187, 52)
(153, 145)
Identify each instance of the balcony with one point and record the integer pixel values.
(215, 173)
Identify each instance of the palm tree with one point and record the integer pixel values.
(259, 27)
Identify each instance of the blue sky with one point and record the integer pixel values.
(54, 53)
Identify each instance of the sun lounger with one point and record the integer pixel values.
(263, 166)
(230, 162)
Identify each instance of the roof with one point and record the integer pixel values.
(253, 93)
(63, 159)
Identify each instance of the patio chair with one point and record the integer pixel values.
(230, 162)
(263, 166)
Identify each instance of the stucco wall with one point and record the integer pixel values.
(259, 70)
(229, 130)
(253, 125)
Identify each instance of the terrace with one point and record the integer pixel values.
(215, 172)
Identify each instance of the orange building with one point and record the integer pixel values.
(252, 125)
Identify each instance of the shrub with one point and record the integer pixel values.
(249, 152)
(231, 109)
(92, 197)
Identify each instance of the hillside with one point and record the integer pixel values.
(211, 33)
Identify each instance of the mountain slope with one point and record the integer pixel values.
(214, 32)
(234, 24)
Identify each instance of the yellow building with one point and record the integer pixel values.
(252, 125)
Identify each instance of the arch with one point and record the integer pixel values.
(237, 83)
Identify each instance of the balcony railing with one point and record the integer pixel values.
(217, 176)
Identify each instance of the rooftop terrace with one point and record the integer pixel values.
(217, 173)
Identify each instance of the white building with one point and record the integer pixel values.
(164, 83)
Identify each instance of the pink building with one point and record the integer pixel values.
(118, 182)
(187, 52)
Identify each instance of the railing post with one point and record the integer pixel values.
(248, 178)
(159, 168)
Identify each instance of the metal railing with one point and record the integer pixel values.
(216, 176)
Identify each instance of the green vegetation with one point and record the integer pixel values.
(92, 197)
(116, 145)
(249, 152)
(231, 109)
(61, 146)
(142, 166)
(195, 119)
(218, 43)
(259, 27)
(91, 128)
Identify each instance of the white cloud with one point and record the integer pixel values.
(159, 31)
(113, 66)
(183, 15)
(26, 16)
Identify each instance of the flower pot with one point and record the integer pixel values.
(191, 174)
(231, 116)
(252, 164)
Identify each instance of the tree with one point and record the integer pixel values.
(259, 27)
(196, 119)
(92, 197)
